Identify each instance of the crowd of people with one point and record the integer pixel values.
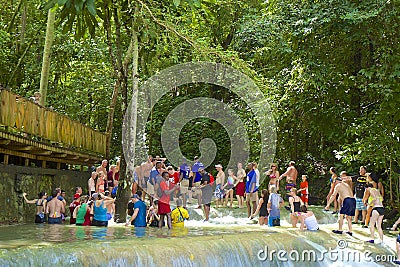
(95, 208)
(357, 196)
(353, 197)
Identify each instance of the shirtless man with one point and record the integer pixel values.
(349, 205)
(291, 173)
(146, 169)
(347, 179)
(102, 167)
(219, 181)
(54, 209)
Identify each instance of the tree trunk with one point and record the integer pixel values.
(11, 25)
(44, 77)
(23, 23)
(127, 168)
(118, 70)
(110, 119)
(390, 180)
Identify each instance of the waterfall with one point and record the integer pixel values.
(229, 239)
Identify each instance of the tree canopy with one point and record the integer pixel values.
(329, 69)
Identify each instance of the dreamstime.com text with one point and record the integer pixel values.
(341, 254)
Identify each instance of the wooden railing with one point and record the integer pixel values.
(25, 116)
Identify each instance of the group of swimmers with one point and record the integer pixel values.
(351, 195)
(85, 210)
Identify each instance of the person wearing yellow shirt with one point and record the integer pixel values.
(179, 214)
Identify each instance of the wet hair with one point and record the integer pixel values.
(265, 195)
(374, 177)
(54, 193)
(303, 208)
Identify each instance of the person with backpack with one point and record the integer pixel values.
(179, 215)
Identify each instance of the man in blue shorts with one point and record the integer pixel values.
(348, 206)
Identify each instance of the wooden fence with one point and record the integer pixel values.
(27, 117)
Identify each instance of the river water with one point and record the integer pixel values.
(229, 239)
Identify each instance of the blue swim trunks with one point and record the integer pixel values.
(349, 206)
(360, 205)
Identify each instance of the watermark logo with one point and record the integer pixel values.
(165, 82)
(339, 254)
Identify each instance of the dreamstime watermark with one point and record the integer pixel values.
(339, 254)
(166, 82)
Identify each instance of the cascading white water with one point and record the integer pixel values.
(229, 239)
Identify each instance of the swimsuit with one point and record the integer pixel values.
(349, 206)
(380, 210)
(263, 209)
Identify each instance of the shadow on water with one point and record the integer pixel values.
(229, 239)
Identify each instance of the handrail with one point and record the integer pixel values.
(25, 116)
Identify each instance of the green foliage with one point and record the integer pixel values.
(330, 70)
(78, 13)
